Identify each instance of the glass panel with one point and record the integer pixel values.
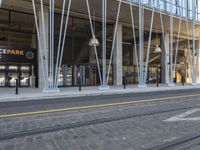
(69, 76)
(24, 75)
(4, 19)
(12, 75)
(153, 73)
(78, 52)
(65, 76)
(185, 6)
(17, 29)
(2, 75)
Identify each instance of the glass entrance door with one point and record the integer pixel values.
(24, 72)
(10, 72)
(12, 75)
(154, 73)
(65, 76)
(69, 75)
(2, 75)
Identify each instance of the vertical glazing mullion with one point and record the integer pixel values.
(171, 44)
(104, 14)
(50, 41)
(141, 66)
(140, 47)
(52, 76)
(193, 42)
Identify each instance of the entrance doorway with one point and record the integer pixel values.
(131, 74)
(2, 75)
(10, 72)
(88, 73)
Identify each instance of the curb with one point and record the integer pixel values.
(21, 98)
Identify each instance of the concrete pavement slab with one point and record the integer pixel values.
(25, 94)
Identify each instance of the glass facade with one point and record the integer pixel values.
(17, 29)
(183, 8)
(17, 32)
(129, 57)
(78, 56)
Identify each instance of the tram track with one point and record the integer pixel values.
(61, 127)
(180, 144)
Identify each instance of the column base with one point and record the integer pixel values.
(51, 90)
(142, 85)
(194, 84)
(171, 84)
(104, 87)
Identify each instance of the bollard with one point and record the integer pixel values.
(124, 82)
(79, 79)
(157, 78)
(17, 87)
(182, 81)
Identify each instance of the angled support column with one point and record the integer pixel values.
(142, 84)
(165, 58)
(50, 69)
(117, 59)
(104, 85)
(41, 82)
(171, 73)
(194, 69)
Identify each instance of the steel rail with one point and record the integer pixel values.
(180, 144)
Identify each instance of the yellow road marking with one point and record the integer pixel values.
(94, 106)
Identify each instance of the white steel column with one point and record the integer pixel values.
(136, 62)
(193, 44)
(49, 68)
(114, 39)
(178, 36)
(149, 46)
(104, 37)
(165, 58)
(92, 26)
(171, 75)
(141, 45)
(41, 81)
(117, 59)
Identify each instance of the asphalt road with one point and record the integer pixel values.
(39, 105)
(171, 123)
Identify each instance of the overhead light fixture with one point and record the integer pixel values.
(157, 49)
(94, 42)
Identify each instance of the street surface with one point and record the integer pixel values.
(141, 121)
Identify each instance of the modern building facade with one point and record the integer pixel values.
(59, 43)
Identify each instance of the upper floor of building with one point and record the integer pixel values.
(188, 9)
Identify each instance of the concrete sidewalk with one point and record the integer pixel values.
(8, 94)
